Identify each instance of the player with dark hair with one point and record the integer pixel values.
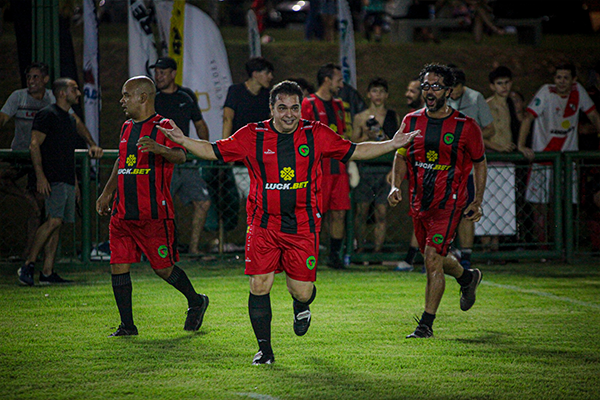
(284, 205)
(439, 162)
(142, 212)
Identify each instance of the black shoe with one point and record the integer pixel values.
(302, 322)
(422, 332)
(193, 322)
(468, 292)
(335, 263)
(261, 358)
(26, 274)
(123, 331)
(53, 279)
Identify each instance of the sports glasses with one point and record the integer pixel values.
(436, 87)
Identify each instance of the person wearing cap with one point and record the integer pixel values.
(180, 104)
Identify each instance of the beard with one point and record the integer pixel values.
(437, 103)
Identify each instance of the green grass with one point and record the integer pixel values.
(533, 334)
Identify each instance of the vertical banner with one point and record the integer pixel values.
(142, 50)
(205, 65)
(91, 85)
(176, 33)
(347, 52)
(253, 34)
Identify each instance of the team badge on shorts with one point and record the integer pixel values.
(437, 238)
(311, 262)
(163, 251)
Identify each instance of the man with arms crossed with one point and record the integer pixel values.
(284, 217)
(142, 215)
(439, 162)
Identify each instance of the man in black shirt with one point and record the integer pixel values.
(53, 143)
(180, 104)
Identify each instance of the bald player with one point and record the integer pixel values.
(142, 218)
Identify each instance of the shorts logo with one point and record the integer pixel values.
(448, 138)
(287, 174)
(130, 160)
(163, 251)
(437, 238)
(432, 156)
(311, 262)
(303, 150)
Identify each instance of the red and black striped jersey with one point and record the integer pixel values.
(330, 113)
(440, 159)
(144, 179)
(285, 172)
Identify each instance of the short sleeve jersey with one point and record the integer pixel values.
(21, 105)
(285, 172)
(247, 107)
(58, 147)
(330, 113)
(440, 160)
(555, 127)
(473, 104)
(144, 179)
(180, 107)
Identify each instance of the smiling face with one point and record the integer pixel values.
(36, 81)
(337, 82)
(563, 79)
(164, 77)
(434, 99)
(286, 113)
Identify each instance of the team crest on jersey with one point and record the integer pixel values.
(287, 174)
(130, 160)
(448, 138)
(432, 156)
(303, 150)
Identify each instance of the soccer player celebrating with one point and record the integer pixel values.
(142, 216)
(283, 156)
(439, 163)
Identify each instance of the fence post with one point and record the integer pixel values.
(86, 244)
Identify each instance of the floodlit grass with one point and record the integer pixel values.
(534, 333)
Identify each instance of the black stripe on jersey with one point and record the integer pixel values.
(432, 143)
(315, 110)
(411, 156)
(332, 119)
(310, 141)
(454, 155)
(130, 191)
(252, 172)
(152, 176)
(217, 151)
(286, 157)
(260, 141)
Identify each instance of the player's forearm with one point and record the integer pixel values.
(479, 178)
(36, 159)
(200, 148)
(368, 150)
(3, 119)
(398, 170)
(111, 184)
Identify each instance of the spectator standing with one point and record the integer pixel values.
(174, 102)
(53, 143)
(440, 160)
(323, 106)
(23, 105)
(376, 123)
(284, 204)
(142, 210)
(471, 103)
(555, 109)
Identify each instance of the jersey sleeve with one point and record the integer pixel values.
(475, 145)
(536, 107)
(42, 122)
(307, 110)
(334, 146)
(235, 147)
(12, 104)
(585, 101)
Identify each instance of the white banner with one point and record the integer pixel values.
(142, 50)
(91, 85)
(347, 52)
(253, 34)
(205, 65)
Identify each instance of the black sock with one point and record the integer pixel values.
(300, 306)
(180, 281)
(427, 319)
(122, 289)
(335, 245)
(259, 308)
(412, 253)
(465, 278)
(465, 254)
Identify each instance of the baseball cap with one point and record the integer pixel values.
(165, 62)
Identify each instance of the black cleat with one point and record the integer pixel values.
(53, 279)
(261, 358)
(422, 332)
(123, 331)
(468, 292)
(26, 274)
(302, 322)
(195, 315)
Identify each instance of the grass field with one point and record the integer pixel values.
(534, 333)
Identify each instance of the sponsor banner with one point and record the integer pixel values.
(176, 34)
(91, 85)
(142, 49)
(347, 52)
(253, 34)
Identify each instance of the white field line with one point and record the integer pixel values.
(258, 396)
(543, 294)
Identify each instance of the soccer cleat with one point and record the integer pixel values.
(260, 358)
(53, 279)
(467, 299)
(26, 274)
(302, 322)
(123, 331)
(403, 266)
(422, 332)
(195, 315)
